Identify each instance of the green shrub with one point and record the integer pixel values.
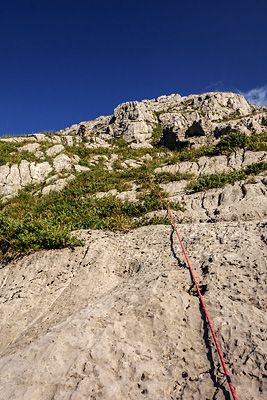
(9, 153)
(231, 142)
(29, 223)
(205, 182)
(30, 233)
(156, 134)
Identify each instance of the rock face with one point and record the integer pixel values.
(202, 120)
(191, 121)
(119, 318)
(16, 176)
(210, 165)
(132, 121)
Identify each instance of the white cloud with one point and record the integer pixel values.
(256, 96)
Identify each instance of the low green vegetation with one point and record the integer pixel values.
(205, 182)
(228, 144)
(230, 117)
(236, 141)
(156, 134)
(30, 222)
(10, 153)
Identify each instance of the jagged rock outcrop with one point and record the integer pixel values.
(203, 119)
(14, 177)
(132, 121)
(55, 184)
(242, 201)
(217, 164)
(191, 121)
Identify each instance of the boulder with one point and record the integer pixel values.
(67, 140)
(57, 185)
(138, 131)
(61, 162)
(54, 150)
(142, 145)
(39, 171)
(12, 182)
(25, 173)
(132, 120)
(31, 147)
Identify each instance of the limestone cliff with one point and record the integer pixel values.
(119, 317)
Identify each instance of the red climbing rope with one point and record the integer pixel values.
(201, 299)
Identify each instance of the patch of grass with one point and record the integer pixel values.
(156, 134)
(257, 142)
(231, 142)
(188, 102)
(195, 154)
(29, 234)
(205, 182)
(29, 223)
(166, 177)
(235, 141)
(232, 116)
(9, 153)
(228, 144)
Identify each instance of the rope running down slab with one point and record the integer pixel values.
(201, 300)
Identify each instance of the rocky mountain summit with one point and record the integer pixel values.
(97, 301)
(191, 121)
(184, 122)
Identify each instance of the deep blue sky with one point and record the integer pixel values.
(66, 61)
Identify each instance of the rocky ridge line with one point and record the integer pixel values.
(191, 121)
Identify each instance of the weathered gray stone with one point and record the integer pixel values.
(54, 150)
(39, 154)
(12, 180)
(40, 137)
(216, 164)
(132, 120)
(62, 161)
(80, 168)
(67, 140)
(97, 142)
(251, 157)
(138, 131)
(25, 174)
(118, 318)
(18, 139)
(31, 147)
(39, 171)
(241, 201)
(142, 145)
(55, 139)
(57, 186)
(4, 172)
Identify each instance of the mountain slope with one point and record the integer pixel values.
(109, 311)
